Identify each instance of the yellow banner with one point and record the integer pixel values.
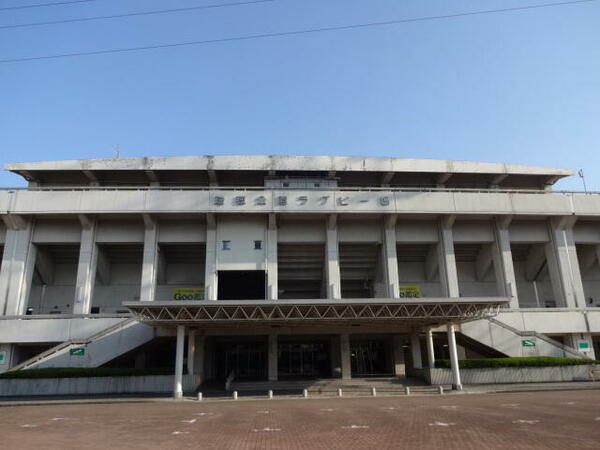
(410, 291)
(191, 293)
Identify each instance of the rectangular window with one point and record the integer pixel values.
(226, 245)
(257, 245)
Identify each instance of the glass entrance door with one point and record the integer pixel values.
(247, 360)
(303, 360)
(368, 358)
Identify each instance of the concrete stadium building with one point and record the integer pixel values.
(284, 267)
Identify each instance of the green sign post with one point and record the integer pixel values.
(79, 351)
(528, 343)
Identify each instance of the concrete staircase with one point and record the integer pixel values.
(98, 349)
(508, 340)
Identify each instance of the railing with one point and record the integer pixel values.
(540, 336)
(66, 344)
(264, 188)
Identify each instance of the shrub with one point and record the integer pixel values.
(79, 372)
(528, 361)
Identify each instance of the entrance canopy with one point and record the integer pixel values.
(413, 313)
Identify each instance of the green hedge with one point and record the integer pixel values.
(73, 372)
(528, 361)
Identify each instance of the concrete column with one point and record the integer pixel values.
(335, 356)
(503, 262)
(399, 365)
(430, 349)
(86, 268)
(447, 261)
(272, 357)
(210, 273)
(199, 351)
(18, 264)
(345, 356)
(334, 285)
(178, 387)
(563, 263)
(390, 257)
(457, 385)
(271, 263)
(415, 351)
(191, 353)
(150, 260)
(6, 356)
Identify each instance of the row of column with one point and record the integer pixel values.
(196, 349)
(560, 252)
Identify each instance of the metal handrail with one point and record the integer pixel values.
(229, 380)
(543, 337)
(268, 188)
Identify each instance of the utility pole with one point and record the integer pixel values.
(580, 173)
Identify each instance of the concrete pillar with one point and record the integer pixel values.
(199, 352)
(18, 264)
(447, 261)
(271, 263)
(430, 349)
(399, 365)
(415, 351)
(345, 356)
(210, 273)
(457, 385)
(191, 352)
(150, 260)
(86, 268)
(334, 285)
(563, 264)
(6, 356)
(178, 387)
(335, 356)
(390, 257)
(503, 262)
(272, 357)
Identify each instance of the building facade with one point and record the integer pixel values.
(276, 267)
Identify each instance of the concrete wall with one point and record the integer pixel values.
(241, 232)
(511, 375)
(154, 384)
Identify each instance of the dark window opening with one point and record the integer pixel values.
(242, 285)
(257, 245)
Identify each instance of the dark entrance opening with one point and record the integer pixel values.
(242, 285)
(247, 360)
(370, 358)
(304, 360)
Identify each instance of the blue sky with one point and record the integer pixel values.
(518, 87)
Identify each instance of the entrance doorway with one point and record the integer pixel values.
(304, 360)
(241, 285)
(248, 360)
(370, 358)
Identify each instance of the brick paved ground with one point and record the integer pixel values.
(552, 420)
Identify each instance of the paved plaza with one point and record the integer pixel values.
(553, 420)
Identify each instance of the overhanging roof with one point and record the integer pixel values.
(419, 312)
(287, 163)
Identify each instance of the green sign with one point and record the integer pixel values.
(528, 343)
(583, 345)
(2, 357)
(79, 351)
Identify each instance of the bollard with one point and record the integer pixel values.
(339, 392)
(305, 393)
(440, 390)
(270, 394)
(407, 390)
(374, 392)
(199, 396)
(235, 395)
